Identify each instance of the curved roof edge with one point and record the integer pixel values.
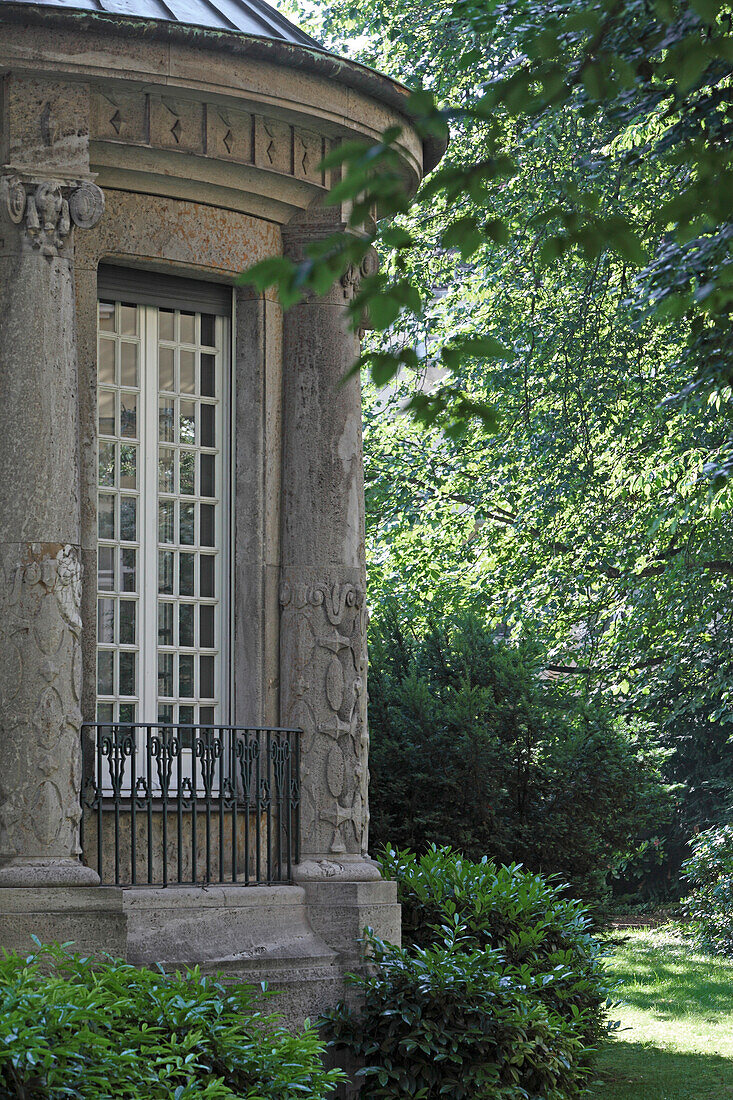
(309, 58)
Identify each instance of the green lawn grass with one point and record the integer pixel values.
(675, 1040)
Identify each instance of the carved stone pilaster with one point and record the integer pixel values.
(323, 619)
(47, 209)
(325, 669)
(40, 537)
(40, 687)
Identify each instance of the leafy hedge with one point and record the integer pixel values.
(74, 1027)
(498, 993)
(709, 871)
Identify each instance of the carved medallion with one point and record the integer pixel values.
(15, 200)
(86, 205)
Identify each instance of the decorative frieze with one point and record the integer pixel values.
(47, 209)
(210, 130)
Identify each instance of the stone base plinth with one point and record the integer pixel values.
(44, 873)
(340, 911)
(91, 919)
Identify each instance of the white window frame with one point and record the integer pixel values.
(147, 596)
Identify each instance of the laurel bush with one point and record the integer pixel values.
(91, 1030)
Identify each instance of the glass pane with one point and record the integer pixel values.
(187, 472)
(208, 480)
(165, 419)
(188, 371)
(207, 576)
(106, 621)
(208, 329)
(208, 432)
(106, 363)
(186, 574)
(107, 316)
(207, 376)
(206, 626)
(165, 521)
(127, 712)
(166, 483)
(187, 428)
(128, 364)
(106, 517)
(165, 623)
(128, 519)
(106, 568)
(206, 716)
(129, 570)
(128, 466)
(165, 674)
(127, 673)
(206, 677)
(128, 415)
(105, 712)
(188, 328)
(187, 532)
(207, 524)
(167, 324)
(186, 718)
(106, 412)
(128, 320)
(165, 713)
(106, 463)
(185, 676)
(165, 571)
(105, 672)
(127, 622)
(185, 624)
(166, 369)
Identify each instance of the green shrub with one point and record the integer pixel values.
(73, 1027)
(709, 871)
(471, 747)
(498, 993)
(542, 935)
(446, 1022)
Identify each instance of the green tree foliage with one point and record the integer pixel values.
(93, 1030)
(572, 257)
(471, 748)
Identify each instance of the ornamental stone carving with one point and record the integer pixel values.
(47, 209)
(352, 277)
(40, 717)
(324, 627)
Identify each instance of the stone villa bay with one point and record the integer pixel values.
(183, 741)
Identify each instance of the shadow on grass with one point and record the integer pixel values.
(637, 1071)
(666, 976)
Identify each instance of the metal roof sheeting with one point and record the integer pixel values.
(245, 16)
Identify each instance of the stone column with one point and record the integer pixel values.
(323, 620)
(40, 565)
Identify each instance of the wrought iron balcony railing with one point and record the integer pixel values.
(190, 805)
